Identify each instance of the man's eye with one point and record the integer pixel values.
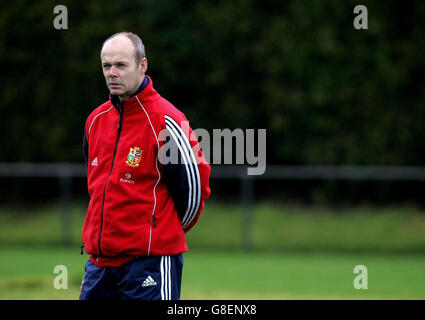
(105, 66)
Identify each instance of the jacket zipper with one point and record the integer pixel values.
(107, 179)
(153, 224)
(153, 219)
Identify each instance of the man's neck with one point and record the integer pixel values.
(128, 95)
(142, 85)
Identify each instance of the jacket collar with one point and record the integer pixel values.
(144, 94)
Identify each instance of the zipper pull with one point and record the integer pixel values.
(82, 247)
(154, 221)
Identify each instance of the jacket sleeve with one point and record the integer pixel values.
(186, 171)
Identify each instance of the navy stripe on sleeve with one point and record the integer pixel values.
(186, 188)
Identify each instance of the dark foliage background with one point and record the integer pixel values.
(326, 92)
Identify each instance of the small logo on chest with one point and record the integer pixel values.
(94, 162)
(127, 179)
(134, 157)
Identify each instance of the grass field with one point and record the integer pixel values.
(27, 273)
(299, 253)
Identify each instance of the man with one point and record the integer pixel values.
(140, 206)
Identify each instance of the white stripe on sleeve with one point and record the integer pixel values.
(189, 159)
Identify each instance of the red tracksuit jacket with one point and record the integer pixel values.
(140, 206)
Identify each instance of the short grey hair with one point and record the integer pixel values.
(137, 42)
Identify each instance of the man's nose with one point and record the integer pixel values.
(113, 72)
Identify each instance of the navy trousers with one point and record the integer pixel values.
(145, 278)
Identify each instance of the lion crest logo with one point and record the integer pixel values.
(134, 157)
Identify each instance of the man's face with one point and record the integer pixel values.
(122, 74)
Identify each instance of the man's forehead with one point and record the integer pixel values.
(118, 48)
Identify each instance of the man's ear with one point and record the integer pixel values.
(143, 65)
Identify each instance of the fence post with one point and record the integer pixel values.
(66, 210)
(247, 199)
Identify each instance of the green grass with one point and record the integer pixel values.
(281, 228)
(303, 276)
(27, 273)
(298, 253)
(274, 228)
